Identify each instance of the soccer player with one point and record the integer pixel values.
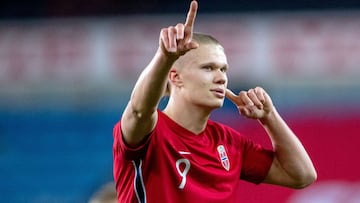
(179, 154)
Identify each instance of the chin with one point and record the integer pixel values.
(217, 105)
(212, 104)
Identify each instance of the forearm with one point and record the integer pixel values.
(151, 85)
(289, 152)
(140, 116)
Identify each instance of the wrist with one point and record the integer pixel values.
(165, 56)
(269, 117)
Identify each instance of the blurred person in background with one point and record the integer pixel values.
(105, 194)
(179, 154)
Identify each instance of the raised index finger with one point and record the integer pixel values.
(190, 19)
(231, 96)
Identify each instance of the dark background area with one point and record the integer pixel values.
(10, 9)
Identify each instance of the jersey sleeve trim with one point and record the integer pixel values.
(130, 153)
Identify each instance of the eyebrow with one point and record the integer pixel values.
(217, 65)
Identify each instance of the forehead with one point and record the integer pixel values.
(206, 53)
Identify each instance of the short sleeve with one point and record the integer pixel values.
(120, 148)
(256, 162)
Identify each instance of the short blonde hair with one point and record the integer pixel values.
(201, 39)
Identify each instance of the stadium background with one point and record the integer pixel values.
(67, 68)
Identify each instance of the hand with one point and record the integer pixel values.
(254, 103)
(176, 41)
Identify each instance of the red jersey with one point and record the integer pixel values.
(176, 165)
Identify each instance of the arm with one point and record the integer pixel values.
(292, 166)
(140, 116)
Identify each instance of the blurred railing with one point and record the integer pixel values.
(88, 57)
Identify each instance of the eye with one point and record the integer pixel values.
(223, 69)
(207, 68)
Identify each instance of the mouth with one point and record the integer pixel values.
(219, 92)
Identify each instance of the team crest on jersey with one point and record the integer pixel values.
(224, 159)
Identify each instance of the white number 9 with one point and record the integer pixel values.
(183, 173)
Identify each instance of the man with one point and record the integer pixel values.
(178, 154)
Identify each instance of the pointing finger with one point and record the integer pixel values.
(190, 19)
(189, 24)
(231, 96)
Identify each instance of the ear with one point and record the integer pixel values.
(174, 77)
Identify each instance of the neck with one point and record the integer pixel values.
(193, 118)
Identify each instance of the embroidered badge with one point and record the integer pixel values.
(224, 159)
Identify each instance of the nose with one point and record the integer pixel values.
(220, 77)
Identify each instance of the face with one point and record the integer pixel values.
(202, 77)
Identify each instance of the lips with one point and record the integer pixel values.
(219, 92)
